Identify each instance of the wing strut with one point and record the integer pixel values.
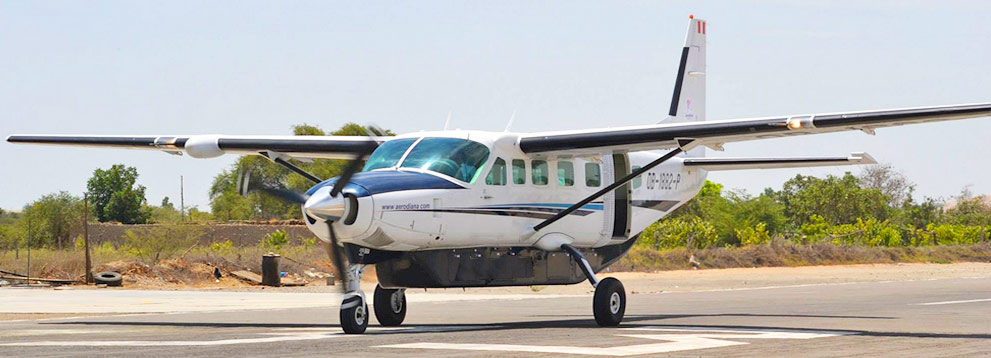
(607, 189)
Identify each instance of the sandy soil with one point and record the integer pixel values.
(662, 281)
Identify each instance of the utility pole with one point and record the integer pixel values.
(89, 264)
(182, 200)
(29, 251)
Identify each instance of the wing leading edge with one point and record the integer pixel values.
(715, 133)
(209, 146)
(713, 164)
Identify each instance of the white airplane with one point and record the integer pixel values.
(481, 209)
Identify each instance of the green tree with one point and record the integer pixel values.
(164, 214)
(116, 197)
(52, 218)
(838, 200)
(969, 211)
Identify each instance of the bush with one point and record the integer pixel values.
(154, 243)
(276, 240)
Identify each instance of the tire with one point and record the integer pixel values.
(609, 303)
(390, 306)
(111, 279)
(354, 320)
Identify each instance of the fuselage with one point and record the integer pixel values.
(463, 189)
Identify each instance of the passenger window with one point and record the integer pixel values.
(565, 173)
(539, 168)
(497, 176)
(519, 171)
(638, 180)
(592, 176)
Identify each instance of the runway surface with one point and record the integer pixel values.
(943, 317)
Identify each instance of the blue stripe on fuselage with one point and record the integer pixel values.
(548, 205)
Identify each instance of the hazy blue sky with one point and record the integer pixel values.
(172, 67)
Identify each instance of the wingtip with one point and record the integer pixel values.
(862, 158)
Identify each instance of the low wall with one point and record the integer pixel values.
(239, 234)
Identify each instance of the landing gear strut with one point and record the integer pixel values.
(354, 309)
(390, 306)
(609, 302)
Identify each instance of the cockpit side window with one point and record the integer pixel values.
(388, 154)
(497, 175)
(457, 158)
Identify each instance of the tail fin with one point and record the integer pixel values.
(688, 100)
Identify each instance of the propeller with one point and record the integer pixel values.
(331, 209)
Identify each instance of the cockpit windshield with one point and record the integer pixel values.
(388, 154)
(457, 158)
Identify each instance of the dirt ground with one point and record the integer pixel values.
(647, 282)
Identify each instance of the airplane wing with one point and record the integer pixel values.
(209, 146)
(715, 133)
(712, 164)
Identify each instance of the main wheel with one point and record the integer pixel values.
(609, 303)
(354, 320)
(390, 306)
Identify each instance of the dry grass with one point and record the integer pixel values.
(784, 253)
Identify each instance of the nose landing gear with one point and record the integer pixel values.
(609, 302)
(354, 309)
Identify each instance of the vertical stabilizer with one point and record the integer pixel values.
(688, 99)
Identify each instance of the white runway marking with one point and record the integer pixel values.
(283, 335)
(679, 339)
(150, 301)
(953, 302)
(222, 342)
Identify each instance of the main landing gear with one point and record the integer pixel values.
(609, 302)
(390, 304)
(354, 309)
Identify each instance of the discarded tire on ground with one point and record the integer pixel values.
(111, 279)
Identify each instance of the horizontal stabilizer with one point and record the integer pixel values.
(775, 163)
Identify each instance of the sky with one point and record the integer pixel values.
(259, 67)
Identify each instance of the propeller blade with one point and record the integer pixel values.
(244, 188)
(284, 194)
(337, 254)
(353, 166)
(242, 182)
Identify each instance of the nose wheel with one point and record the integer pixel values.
(354, 319)
(354, 310)
(390, 306)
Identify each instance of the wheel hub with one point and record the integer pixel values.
(359, 315)
(614, 302)
(396, 301)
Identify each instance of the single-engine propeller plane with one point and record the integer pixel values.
(458, 208)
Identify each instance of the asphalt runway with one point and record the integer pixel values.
(945, 318)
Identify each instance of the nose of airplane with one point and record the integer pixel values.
(322, 205)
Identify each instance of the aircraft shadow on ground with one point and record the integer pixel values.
(584, 322)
